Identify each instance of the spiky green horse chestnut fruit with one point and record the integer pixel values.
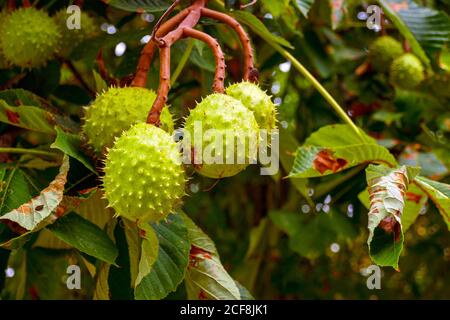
(407, 72)
(71, 38)
(29, 38)
(256, 100)
(115, 111)
(219, 135)
(144, 177)
(383, 51)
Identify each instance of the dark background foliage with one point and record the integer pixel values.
(280, 238)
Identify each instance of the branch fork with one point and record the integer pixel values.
(182, 26)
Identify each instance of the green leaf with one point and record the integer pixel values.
(247, 273)
(259, 28)
(416, 200)
(430, 27)
(100, 84)
(14, 189)
(140, 5)
(94, 208)
(15, 287)
(27, 117)
(149, 253)
(245, 294)
(276, 8)
(335, 148)
(311, 237)
(47, 239)
(304, 6)
(439, 193)
(404, 30)
(15, 97)
(206, 278)
(101, 291)
(29, 215)
(26, 110)
(173, 256)
(85, 236)
(70, 144)
(134, 248)
(387, 188)
(203, 57)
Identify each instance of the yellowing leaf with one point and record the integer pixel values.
(439, 193)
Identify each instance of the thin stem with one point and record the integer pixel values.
(327, 96)
(28, 151)
(79, 77)
(9, 83)
(145, 60)
(103, 71)
(164, 87)
(219, 77)
(154, 36)
(48, 4)
(250, 73)
(79, 182)
(182, 61)
(26, 3)
(192, 17)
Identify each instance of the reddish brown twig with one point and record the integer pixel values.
(154, 36)
(164, 86)
(164, 35)
(103, 71)
(250, 73)
(191, 19)
(26, 3)
(218, 85)
(12, 81)
(145, 60)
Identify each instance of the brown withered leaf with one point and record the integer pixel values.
(387, 188)
(31, 214)
(326, 161)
